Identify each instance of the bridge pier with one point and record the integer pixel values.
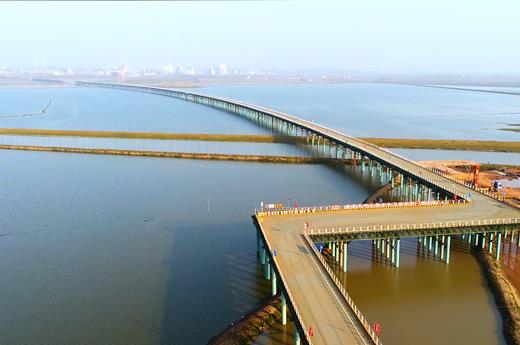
(274, 287)
(389, 248)
(284, 309)
(499, 245)
(267, 269)
(344, 263)
(448, 244)
(397, 250)
(296, 336)
(262, 256)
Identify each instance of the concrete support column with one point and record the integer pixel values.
(490, 249)
(448, 243)
(274, 288)
(267, 269)
(296, 336)
(284, 309)
(345, 256)
(499, 246)
(262, 256)
(397, 248)
(443, 245)
(436, 245)
(337, 251)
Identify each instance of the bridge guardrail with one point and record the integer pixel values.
(361, 318)
(356, 207)
(339, 137)
(413, 226)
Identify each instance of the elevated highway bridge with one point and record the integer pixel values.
(434, 208)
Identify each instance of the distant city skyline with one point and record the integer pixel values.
(401, 36)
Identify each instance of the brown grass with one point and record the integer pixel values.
(435, 144)
(153, 135)
(181, 155)
(468, 145)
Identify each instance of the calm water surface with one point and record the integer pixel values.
(389, 110)
(130, 250)
(424, 301)
(114, 110)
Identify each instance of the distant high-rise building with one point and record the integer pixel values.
(223, 69)
(168, 69)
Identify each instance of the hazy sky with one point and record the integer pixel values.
(411, 36)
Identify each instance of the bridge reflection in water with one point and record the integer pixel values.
(436, 208)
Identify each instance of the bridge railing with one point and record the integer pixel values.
(413, 226)
(356, 207)
(288, 291)
(344, 139)
(361, 318)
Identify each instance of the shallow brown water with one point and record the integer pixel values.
(424, 301)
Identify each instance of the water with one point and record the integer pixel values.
(132, 250)
(359, 109)
(272, 149)
(424, 301)
(114, 110)
(388, 110)
(477, 156)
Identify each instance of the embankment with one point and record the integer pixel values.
(251, 326)
(382, 192)
(180, 155)
(153, 135)
(433, 144)
(506, 297)
(437, 144)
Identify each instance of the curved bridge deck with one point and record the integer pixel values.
(314, 298)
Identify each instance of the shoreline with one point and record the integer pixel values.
(257, 138)
(251, 325)
(180, 155)
(505, 296)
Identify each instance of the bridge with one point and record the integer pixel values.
(433, 209)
